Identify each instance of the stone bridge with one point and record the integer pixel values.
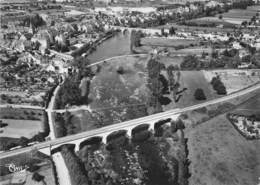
(152, 31)
(110, 134)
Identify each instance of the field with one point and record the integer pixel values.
(213, 20)
(34, 162)
(237, 16)
(167, 42)
(192, 80)
(250, 107)
(235, 80)
(108, 85)
(118, 97)
(196, 28)
(19, 128)
(220, 155)
(21, 122)
(82, 121)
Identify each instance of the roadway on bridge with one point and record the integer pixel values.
(123, 125)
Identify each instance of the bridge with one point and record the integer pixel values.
(79, 140)
(152, 31)
(149, 122)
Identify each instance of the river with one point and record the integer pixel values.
(114, 46)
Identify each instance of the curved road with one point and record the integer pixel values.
(123, 125)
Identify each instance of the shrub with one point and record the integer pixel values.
(120, 70)
(218, 86)
(199, 94)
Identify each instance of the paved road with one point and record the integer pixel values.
(123, 125)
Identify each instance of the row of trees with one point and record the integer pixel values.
(226, 59)
(157, 84)
(64, 125)
(135, 39)
(70, 92)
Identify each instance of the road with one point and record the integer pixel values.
(130, 55)
(49, 111)
(61, 168)
(21, 106)
(116, 57)
(123, 125)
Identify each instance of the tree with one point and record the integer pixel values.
(199, 94)
(23, 142)
(172, 30)
(120, 70)
(2, 125)
(218, 86)
(244, 23)
(37, 177)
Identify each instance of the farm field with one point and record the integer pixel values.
(31, 163)
(237, 16)
(250, 107)
(220, 155)
(196, 28)
(193, 50)
(167, 42)
(234, 80)
(21, 122)
(208, 20)
(192, 80)
(19, 128)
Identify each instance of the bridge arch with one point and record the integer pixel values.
(139, 128)
(59, 148)
(159, 123)
(116, 134)
(90, 141)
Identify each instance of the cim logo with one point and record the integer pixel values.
(13, 168)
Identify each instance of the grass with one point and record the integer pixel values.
(192, 80)
(196, 28)
(167, 42)
(250, 107)
(110, 89)
(215, 20)
(21, 122)
(220, 155)
(19, 128)
(234, 80)
(121, 97)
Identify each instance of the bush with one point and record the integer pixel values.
(199, 94)
(120, 70)
(218, 86)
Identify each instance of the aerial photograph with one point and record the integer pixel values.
(129, 92)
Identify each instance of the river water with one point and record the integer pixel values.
(114, 46)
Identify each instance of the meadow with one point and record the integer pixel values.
(220, 155)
